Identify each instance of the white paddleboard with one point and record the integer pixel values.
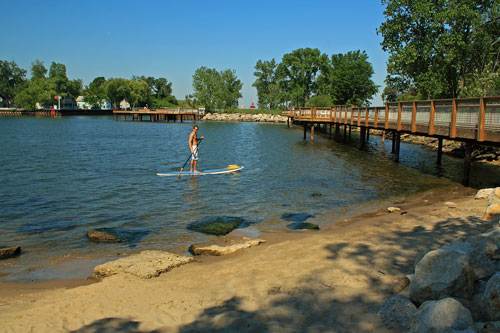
(201, 173)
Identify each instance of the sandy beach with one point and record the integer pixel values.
(331, 280)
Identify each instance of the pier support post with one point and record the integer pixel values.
(305, 129)
(312, 132)
(383, 137)
(350, 132)
(330, 130)
(367, 134)
(345, 133)
(362, 133)
(398, 141)
(467, 162)
(440, 150)
(393, 142)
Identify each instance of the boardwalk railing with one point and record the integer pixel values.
(466, 118)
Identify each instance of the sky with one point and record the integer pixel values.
(171, 39)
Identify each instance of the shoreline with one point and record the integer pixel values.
(271, 236)
(336, 279)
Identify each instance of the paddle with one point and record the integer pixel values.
(199, 143)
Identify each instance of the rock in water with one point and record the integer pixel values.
(296, 217)
(216, 225)
(303, 225)
(101, 236)
(9, 252)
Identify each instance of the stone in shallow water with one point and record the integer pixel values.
(216, 225)
(9, 252)
(45, 226)
(303, 225)
(108, 235)
(296, 217)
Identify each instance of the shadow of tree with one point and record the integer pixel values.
(325, 300)
(106, 325)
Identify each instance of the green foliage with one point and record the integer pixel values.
(298, 73)
(12, 80)
(38, 70)
(435, 46)
(117, 90)
(38, 92)
(267, 84)
(215, 90)
(95, 92)
(320, 101)
(349, 79)
(306, 74)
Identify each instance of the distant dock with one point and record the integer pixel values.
(159, 115)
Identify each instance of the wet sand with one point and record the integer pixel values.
(331, 280)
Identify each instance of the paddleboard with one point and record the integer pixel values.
(202, 173)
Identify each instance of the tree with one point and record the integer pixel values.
(228, 89)
(39, 91)
(267, 84)
(38, 70)
(95, 92)
(320, 101)
(138, 92)
(117, 90)
(12, 80)
(434, 45)
(214, 89)
(348, 80)
(298, 73)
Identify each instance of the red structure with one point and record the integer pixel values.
(252, 107)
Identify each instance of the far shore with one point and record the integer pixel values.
(334, 279)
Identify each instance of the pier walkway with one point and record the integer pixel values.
(471, 120)
(161, 115)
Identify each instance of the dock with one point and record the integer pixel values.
(470, 120)
(159, 115)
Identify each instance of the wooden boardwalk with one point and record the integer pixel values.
(471, 120)
(159, 115)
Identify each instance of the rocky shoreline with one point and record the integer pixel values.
(245, 117)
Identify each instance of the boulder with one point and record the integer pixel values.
(303, 226)
(9, 252)
(216, 225)
(494, 196)
(400, 310)
(144, 265)
(218, 250)
(447, 313)
(482, 266)
(442, 273)
(492, 211)
(401, 282)
(491, 298)
(484, 193)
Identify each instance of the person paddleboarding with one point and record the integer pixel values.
(193, 146)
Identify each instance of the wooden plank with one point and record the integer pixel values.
(453, 132)
(352, 115)
(335, 114)
(431, 118)
(414, 118)
(345, 116)
(366, 118)
(359, 116)
(375, 121)
(481, 118)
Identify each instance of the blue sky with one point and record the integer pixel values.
(173, 38)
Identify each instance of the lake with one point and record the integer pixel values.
(60, 177)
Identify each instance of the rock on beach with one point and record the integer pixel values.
(144, 265)
(9, 252)
(217, 250)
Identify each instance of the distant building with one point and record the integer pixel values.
(81, 104)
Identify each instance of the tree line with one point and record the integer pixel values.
(307, 77)
(40, 90)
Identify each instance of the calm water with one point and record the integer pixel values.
(61, 177)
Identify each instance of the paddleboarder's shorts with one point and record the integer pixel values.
(194, 154)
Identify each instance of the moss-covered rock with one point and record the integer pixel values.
(303, 225)
(108, 235)
(216, 225)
